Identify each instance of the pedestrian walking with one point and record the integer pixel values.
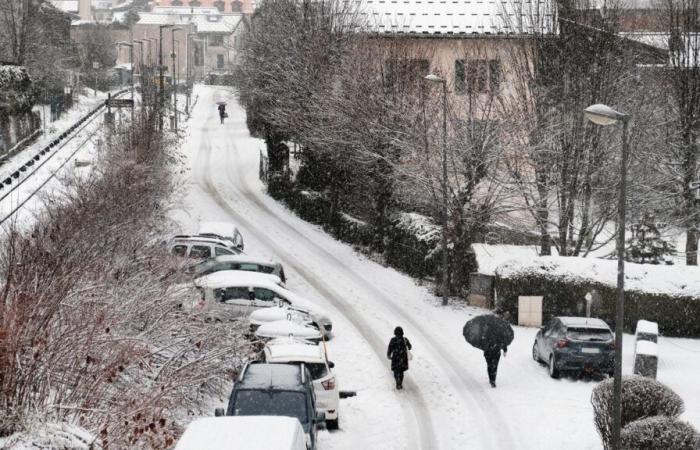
(222, 112)
(491, 334)
(493, 356)
(399, 352)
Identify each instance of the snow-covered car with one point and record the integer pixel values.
(222, 230)
(237, 262)
(243, 432)
(282, 312)
(575, 344)
(295, 351)
(245, 292)
(276, 390)
(288, 328)
(198, 247)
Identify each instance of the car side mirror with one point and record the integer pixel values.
(320, 417)
(219, 412)
(331, 364)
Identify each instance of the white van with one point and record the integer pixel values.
(222, 230)
(243, 432)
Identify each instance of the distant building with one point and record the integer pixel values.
(224, 6)
(203, 49)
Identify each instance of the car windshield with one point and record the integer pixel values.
(271, 403)
(589, 334)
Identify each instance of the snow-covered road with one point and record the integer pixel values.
(447, 402)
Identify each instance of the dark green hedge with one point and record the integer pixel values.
(676, 316)
(405, 251)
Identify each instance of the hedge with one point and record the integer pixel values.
(676, 316)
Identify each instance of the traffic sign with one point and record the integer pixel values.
(120, 103)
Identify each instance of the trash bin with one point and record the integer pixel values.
(646, 359)
(647, 331)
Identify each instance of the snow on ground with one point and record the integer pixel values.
(448, 403)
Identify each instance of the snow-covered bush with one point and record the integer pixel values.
(659, 433)
(51, 436)
(414, 244)
(641, 397)
(16, 92)
(95, 328)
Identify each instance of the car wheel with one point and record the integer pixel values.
(553, 371)
(333, 424)
(535, 354)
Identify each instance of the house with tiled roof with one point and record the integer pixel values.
(468, 42)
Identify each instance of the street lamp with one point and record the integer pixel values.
(173, 54)
(605, 115)
(161, 92)
(436, 79)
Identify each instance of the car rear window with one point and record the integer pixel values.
(271, 403)
(588, 334)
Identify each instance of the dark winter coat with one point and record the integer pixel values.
(222, 110)
(398, 353)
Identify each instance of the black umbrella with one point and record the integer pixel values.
(488, 332)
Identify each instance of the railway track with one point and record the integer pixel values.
(35, 162)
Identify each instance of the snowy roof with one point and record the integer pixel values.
(446, 17)
(490, 257)
(230, 278)
(286, 350)
(647, 348)
(66, 5)
(647, 327)
(271, 375)
(185, 10)
(674, 280)
(249, 432)
(587, 322)
(287, 328)
(204, 22)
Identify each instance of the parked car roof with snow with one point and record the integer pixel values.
(237, 262)
(587, 322)
(292, 349)
(248, 432)
(226, 278)
(264, 376)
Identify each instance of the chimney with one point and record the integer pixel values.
(85, 9)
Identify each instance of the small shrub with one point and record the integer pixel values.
(641, 397)
(659, 433)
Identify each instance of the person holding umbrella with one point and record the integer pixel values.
(398, 353)
(222, 111)
(492, 334)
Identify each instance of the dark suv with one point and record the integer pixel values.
(276, 390)
(577, 344)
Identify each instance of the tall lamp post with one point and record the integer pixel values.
(161, 89)
(605, 115)
(174, 55)
(436, 79)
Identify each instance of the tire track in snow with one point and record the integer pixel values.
(414, 406)
(497, 435)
